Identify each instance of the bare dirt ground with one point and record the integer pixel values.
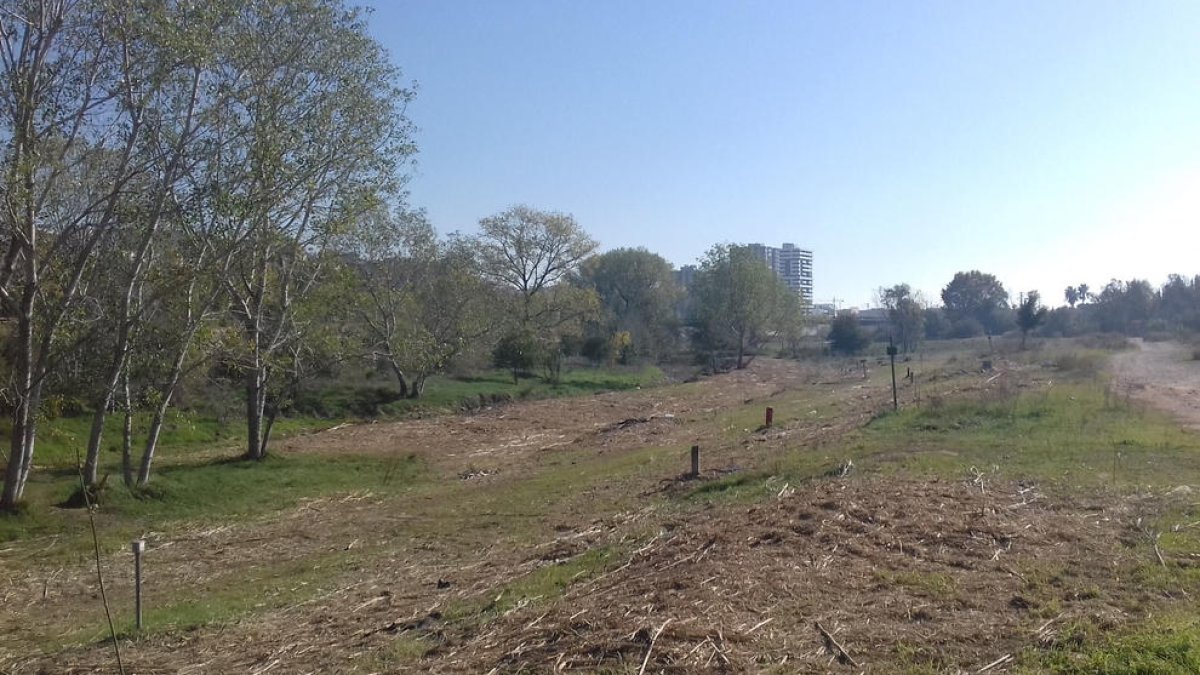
(894, 571)
(1163, 375)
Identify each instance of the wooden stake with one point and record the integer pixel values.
(833, 646)
(695, 461)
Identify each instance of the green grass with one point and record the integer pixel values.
(445, 393)
(538, 587)
(192, 480)
(1162, 646)
(262, 589)
(1070, 434)
(934, 585)
(60, 439)
(213, 491)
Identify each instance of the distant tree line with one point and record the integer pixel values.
(976, 304)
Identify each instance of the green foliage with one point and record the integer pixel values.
(518, 352)
(198, 481)
(978, 296)
(937, 326)
(1030, 314)
(845, 335)
(420, 304)
(529, 252)
(211, 489)
(1071, 295)
(1124, 306)
(597, 349)
(906, 315)
(638, 296)
(737, 302)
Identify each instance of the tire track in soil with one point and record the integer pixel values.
(1163, 375)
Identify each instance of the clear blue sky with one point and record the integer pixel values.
(1049, 143)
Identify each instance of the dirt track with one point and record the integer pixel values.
(1163, 375)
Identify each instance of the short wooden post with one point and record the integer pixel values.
(139, 547)
(695, 461)
(770, 416)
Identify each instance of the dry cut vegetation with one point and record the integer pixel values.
(1031, 518)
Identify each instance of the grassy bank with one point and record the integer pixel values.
(197, 474)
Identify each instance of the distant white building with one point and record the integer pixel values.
(825, 309)
(793, 265)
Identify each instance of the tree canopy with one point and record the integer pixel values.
(977, 296)
(738, 301)
(1030, 314)
(638, 295)
(906, 315)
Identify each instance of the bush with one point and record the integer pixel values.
(845, 335)
(1107, 341)
(519, 353)
(344, 401)
(597, 349)
(1087, 363)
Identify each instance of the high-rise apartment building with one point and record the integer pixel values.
(793, 265)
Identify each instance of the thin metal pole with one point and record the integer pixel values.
(138, 547)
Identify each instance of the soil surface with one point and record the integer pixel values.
(1164, 375)
(945, 575)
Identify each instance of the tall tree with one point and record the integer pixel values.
(1071, 295)
(638, 294)
(422, 303)
(1030, 314)
(162, 77)
(528, 253)
(1125, 306)
(906, 315)
(979, 296)
(68, 155)
(737, 301)
(1179, 302)
(320, 139)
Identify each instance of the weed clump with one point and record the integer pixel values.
(1083, 364)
